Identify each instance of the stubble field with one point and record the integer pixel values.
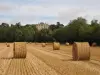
(46, 61)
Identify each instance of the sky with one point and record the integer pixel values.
(48, 11)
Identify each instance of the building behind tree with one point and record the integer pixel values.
(42, 25)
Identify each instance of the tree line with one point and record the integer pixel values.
(76, 30)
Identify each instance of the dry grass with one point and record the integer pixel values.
(19, 50)
(45, 61)
(36, 43)
(49, 43)
(66, 67)
(33, 66)
(81, 51)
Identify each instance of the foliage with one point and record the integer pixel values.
(76, 30)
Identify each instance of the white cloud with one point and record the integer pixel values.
(72, 13)
(57, 10)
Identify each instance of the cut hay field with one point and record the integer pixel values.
(46, 61)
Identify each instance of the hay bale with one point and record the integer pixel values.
(81, 51)
(67, 44)
(43, 44)
(46, 43)
(94, 44)
(56, 46)
(19, 50)
(8, 45)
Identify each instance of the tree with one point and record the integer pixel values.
(4, 25)
(74, 28)
(59, 25)
(94, 23)
(52, 27)
(18, 24)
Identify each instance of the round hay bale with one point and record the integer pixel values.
(67, 44)
(94, 44)
(46, 43)
(19, 50)
(8, 45)
(81, 51)
(43, 44)
(56, 46)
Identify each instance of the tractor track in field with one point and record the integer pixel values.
(56, 53)
(43, 61)
(29, 66)
(50, 48)
(87, 68)
(93, 61)
(40, 66)
(4, 62)
(64, 53)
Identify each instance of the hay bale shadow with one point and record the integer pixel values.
(6, 58)
(67, 59)
(74, 60)
(18, 58)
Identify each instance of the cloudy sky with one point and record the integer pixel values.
(49, 11)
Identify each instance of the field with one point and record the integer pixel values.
(46, 61)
